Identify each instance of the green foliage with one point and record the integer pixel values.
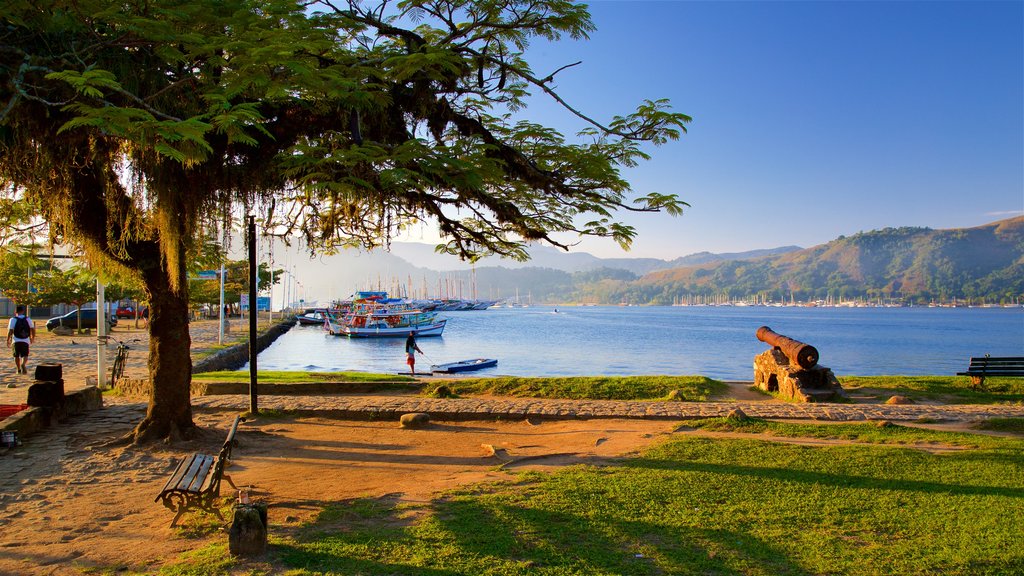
(20, 272)
(132, 129)
(691, 388)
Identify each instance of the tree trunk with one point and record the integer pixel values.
(170, 363)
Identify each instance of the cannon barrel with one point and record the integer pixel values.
(805, 355)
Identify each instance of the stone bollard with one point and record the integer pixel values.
(248, 535)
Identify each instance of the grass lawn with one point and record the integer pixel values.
(697, 505)
(948, 389)
(284, 377)
(691, 388)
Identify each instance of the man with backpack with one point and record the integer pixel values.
(22, 332)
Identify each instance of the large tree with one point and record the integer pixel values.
(132, 125)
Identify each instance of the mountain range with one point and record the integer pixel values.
(906, 264)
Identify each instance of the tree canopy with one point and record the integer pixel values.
(131, 127)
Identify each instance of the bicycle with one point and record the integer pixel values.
(120, 359)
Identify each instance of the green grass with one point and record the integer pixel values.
(283, 377)
(691, 388)
(860, 432)
(699, 505)
(1002, 425)
(949, 389)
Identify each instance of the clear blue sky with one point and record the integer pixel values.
(810, 119)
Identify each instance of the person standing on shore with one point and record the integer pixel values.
(410, 350)
(22, 332)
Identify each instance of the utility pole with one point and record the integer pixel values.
(101, 337)
(253, 400)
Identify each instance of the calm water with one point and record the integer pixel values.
(713, 341)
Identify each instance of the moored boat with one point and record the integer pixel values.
(385, 324)
(464, 365)
(312, 317)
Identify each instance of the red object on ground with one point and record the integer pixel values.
(11, 409)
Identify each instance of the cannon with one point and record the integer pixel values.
(804, 355)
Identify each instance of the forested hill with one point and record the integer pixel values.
(917, 265)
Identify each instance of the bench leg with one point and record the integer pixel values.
(180, 512)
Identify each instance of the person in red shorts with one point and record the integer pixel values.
(410, 350)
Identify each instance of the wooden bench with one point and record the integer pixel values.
(195, 483)
(986, 366)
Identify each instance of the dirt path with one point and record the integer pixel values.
(69, 503)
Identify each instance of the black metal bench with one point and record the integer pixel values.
(195, 483)
(986, 366)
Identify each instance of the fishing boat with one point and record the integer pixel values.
(464, 365)
(385, 324)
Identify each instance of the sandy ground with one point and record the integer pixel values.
(71, 503)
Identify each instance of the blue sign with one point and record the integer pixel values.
(263, 303)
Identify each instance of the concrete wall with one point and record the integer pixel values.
(31, 420)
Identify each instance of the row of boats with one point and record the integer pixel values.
(374, 315)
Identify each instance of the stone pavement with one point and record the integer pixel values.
(391, 407)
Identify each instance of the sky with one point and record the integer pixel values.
(811, 119)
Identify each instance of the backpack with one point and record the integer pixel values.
(21, 327)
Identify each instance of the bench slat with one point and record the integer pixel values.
(994, 372)
(198, 477)
(180, 472)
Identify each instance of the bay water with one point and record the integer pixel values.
(717, 342)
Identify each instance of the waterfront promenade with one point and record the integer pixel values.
(391, 407)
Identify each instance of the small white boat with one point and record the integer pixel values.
(464, 365)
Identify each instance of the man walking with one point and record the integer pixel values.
(22, 332)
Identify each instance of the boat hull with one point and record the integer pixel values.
(432, 329)
(464, 366)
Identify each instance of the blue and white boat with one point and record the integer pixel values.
(464, 365)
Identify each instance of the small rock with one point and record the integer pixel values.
(737, 414)
(491, 450)
(899, 400)
(414, 420)
(884, 424)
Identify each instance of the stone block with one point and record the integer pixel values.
(774, 373)
(414, 420)
(248, 534)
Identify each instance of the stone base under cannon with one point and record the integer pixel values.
(774, 373)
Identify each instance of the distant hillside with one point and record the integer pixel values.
(423, 256)
(913, 264)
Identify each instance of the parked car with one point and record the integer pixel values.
(125, 312)
(71, 320)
